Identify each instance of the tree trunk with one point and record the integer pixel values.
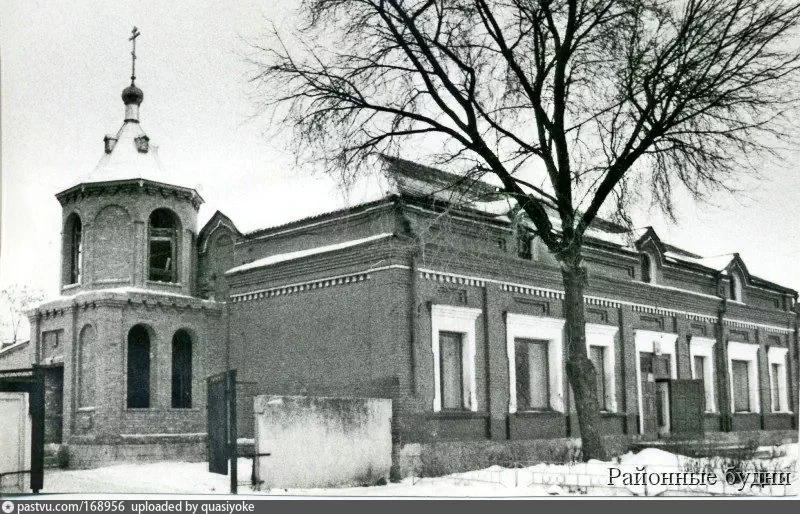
(580, 371)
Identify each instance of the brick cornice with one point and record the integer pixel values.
(129, 186)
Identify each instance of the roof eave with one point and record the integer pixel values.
(81, 186)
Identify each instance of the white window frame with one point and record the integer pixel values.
(749, 353)
(605, 336)
(704, 347)
(659, 343)
(777, 355)
(541, 329)
(450, 318)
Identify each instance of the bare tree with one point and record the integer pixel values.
(14, 300)
(572, 104)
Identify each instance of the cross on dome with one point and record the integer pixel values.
(132, 96)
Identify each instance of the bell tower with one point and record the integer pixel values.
(128, 332)
(128, 223)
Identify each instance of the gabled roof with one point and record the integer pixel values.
(419, 183)
(217, 220)
(723, 264)
(414, 179)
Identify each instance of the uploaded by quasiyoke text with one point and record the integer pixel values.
(191, 507)
(138, 507)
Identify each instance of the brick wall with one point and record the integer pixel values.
(112, 315)
(333, 340)
(17, 356)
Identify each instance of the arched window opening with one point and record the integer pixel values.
(648, 269)
(73, 251)
(181, 370)
(86, 367)
(164, 230)
(138, 368)
(736, 288)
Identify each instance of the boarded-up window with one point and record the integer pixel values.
(700, 374)
(73, 249)
(164, 231)
(597, 355)
(775, 383)
(138, 368)
(532, 374)
(86, 366)
(741, 386)
(647, 268)
(51, 340)
(51, 343)
(181, 370)
(452, 373)
(699, 368)
(524, 244)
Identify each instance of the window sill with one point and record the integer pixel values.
(70, 287)
(535, 413)
(168, 284)
(86, 409)
(457, 414)
(782, 412)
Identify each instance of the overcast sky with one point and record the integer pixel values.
(64, 65)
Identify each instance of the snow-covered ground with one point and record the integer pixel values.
(590, 478)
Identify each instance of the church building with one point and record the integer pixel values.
(434, 294)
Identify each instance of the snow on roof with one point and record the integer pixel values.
(622, 239)
(717, 262)
(290, 256)
(91, 293)
(127, 162)
(14, 346)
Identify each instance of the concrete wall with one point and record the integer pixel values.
(322, 442)
(15, 440)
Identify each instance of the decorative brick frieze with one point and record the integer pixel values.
(451, 278)
(301, 287)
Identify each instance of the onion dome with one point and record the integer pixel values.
(132, 95)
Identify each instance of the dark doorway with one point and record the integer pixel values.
(138, 368)
(54, 404)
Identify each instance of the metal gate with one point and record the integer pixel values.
(28, 381)
(222, 432)
(687, 408)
